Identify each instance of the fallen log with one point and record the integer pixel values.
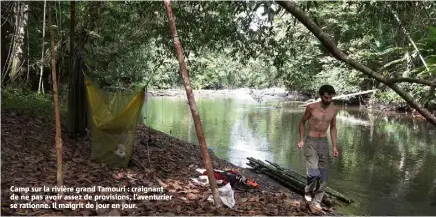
(288, 171)
(289, 181)
(341, 96)
(289, 178)
(280, 172)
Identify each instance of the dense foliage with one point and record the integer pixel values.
(227, 44)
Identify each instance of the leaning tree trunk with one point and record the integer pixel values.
(193, 107)
(20, 11)
(58, 137)
(328, 42)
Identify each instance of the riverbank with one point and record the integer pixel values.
(280, 97)
(29, 159)
(260, 95)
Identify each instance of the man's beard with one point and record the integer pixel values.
(325, 103)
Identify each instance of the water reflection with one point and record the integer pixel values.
(386, 163)
(246, 143)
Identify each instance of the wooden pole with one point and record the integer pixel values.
(58, 138)
(193, 106)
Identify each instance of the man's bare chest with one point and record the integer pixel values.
(322, 115)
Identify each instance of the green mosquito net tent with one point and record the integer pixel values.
(113, 119)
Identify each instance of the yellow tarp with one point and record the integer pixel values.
(113, 118)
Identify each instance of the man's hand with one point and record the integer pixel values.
(335, 152)
(300, 144)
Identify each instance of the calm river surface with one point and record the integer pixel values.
(387, 165)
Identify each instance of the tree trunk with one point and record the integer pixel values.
(71, 81)
(72, 25)
(58, 137)
(193, 107)
(41, 66)
(28, 56)
(20, 11)
(327, 41)
(7, 37)
(77, 103)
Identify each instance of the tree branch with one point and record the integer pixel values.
(408, 35)
(411, 80)
(328, 42)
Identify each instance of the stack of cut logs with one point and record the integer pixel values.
(292, 179)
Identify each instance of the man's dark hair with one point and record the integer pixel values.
(326, 89)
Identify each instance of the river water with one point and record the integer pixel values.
(386, 164)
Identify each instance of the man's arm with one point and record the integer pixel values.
(333, 131)
(305, 117)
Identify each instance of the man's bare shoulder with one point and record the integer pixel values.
(314, 106)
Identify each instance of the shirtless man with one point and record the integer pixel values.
(321, 115)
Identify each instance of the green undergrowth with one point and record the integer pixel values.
(32, 103)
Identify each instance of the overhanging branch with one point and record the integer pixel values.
(330, 45)
(325, 39)
(410, 80)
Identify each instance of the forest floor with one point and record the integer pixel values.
(29, 160)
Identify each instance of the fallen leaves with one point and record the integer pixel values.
(191, 196)
(29, 159)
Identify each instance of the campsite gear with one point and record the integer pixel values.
(113, 117)
(234, 178)
(227, 195)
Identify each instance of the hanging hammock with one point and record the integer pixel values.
(113, 118)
